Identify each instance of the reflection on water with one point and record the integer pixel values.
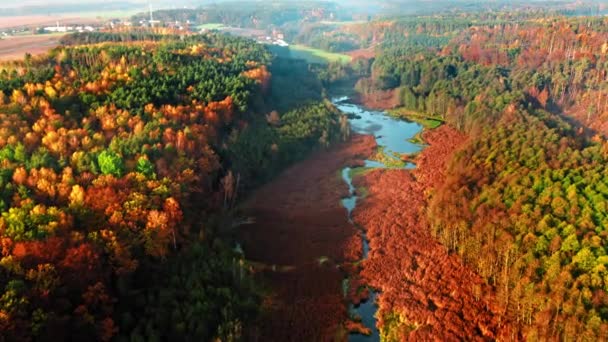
(392, 135)
(367, 312)
(351, 201)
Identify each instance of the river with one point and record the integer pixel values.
(392, 136)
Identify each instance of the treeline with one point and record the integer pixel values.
(119, 166)
(560, 64)
(431, 31)
(524, 204)
(83, 38)
(247, 14)
(462, 93)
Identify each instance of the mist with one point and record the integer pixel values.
(395, 7)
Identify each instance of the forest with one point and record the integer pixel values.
(524, 200)
(251, 14)
(125, 154)
(121, 159)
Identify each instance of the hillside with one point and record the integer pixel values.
(120, 166)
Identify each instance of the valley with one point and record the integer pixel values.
(253, 171)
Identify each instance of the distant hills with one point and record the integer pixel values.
(372, 7)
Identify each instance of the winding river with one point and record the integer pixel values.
(392, 136)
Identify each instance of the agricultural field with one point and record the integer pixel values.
(16, 47)
(210, 26)
(342, 23)
(111, 14)
(49, 20)
(313, 55)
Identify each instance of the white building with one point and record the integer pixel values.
(63, 29)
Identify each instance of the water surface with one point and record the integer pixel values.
(392, 135)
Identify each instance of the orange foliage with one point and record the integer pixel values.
(261, 75)
(72, 225)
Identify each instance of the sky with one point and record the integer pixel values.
(27, 3)
(13, 4)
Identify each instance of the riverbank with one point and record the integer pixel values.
(426, 293)
(306, 246)
(301, 227)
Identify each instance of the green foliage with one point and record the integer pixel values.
(313, 55)
(240, 14)
(570, 244)
(110, 163)
(77, 245)
(293, 84)
(139, 256)
(200, 295)
(396, 325)
(262, 149)
(446, 87)
(251, 152)
(19, 154)
(585, 259)
(310, 126)
(525, 202)
(13, 300)
(145, 167)
(427, 122)
(531, 188)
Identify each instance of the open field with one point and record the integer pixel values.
(313, 55)
(210, 26)
(111, 14)
(15, 47)
(342, 23)
(45, 20)
(243, 32)
(427, 121)
(301, 212)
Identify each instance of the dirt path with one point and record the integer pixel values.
(302, 228)
(436, 295)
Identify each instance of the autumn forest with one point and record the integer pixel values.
(158, 184)
(118, 157)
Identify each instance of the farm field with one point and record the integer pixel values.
(313, 55)
(210, 26)
(342, 23)
(17, 46)
(110, 14)
(46, 20)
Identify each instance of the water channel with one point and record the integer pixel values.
(392, 136)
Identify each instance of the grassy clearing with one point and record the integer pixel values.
(391, 161)
(210, 26)
(28, 34)
(359, 171)
(342, 23)
(313, 55)
(428, 122)
(417, 139)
